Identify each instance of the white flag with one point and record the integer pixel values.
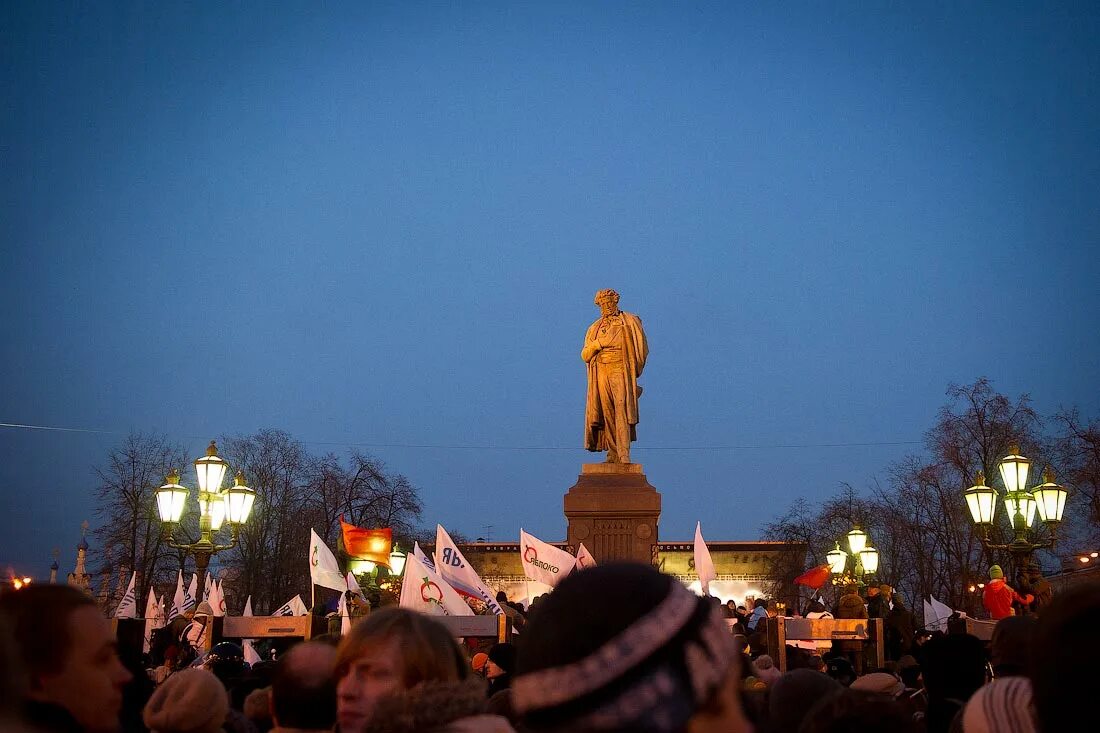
(941, 613)
(452, 566)
(154, 617)
(294, 607)
(704, 566)
(189, 599)
(424, 590)
(216, 599)
(353, 586)
(208, 583)
(179, 601)
(585, 559)
(323, 569)
(544, 562)
(152, 606)
(250, 654)
(127, 607)
(419, 554)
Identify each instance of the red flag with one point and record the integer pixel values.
(814, 577)
(367, 544)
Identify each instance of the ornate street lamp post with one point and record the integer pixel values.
(1048, 500)
(216, 507)
(864, 556)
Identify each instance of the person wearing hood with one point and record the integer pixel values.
(999, 596)
(399, 671)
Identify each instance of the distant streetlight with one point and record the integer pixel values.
(1047, 500)
(864, 556)
(234, 505)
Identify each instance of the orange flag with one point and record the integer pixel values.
(367, 544)
(814, 577)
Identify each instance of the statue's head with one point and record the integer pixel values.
(608, 301)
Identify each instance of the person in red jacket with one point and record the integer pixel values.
(999, 595)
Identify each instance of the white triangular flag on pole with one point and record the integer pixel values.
(154, 617)
(704, 566)
(419, 554)
(127, 607)
(207, 584)
(179, 601)
(323, 569)
(424, 590)
(584, 558)
(542, 561)
(452, 566)
(189, 600)
(217, 600)
(342, 612)
(294, 607)
(250, 654)
(929, 616)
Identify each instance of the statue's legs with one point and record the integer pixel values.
(611, 388)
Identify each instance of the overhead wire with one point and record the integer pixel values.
(456, 446)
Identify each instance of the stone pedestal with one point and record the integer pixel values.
(613, 510)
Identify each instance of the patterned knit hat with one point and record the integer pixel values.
(996, 572)
(1002, 706)
(620, 647)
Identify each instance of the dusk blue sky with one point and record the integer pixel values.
(383, 225)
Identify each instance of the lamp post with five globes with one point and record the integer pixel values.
(1048, 500)
(216, 507)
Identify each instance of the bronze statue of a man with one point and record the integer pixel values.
(615, 350)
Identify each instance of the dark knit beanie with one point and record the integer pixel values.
(620, 647)
(504, 656)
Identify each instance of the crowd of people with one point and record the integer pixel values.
(619, 647)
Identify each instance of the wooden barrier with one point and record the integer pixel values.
(494, 627)
(782, 629)
(269, 627)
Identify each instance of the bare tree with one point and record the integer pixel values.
(1078, 449)
(130, 527)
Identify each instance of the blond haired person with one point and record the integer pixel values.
(399, 671)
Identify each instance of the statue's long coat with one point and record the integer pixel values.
(635, 351)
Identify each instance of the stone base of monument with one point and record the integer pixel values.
(613, 510)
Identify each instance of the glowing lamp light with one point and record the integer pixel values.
(239, 500)
(213, 507)
(868, 557)
(361, 567)
(1050, 498)
(836, 559)
(857, 540)
(1014, 468)
(981, 500)
(397, 560)
(1084, 559)
(1023, 503)
(171, 498)
(211, 470)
